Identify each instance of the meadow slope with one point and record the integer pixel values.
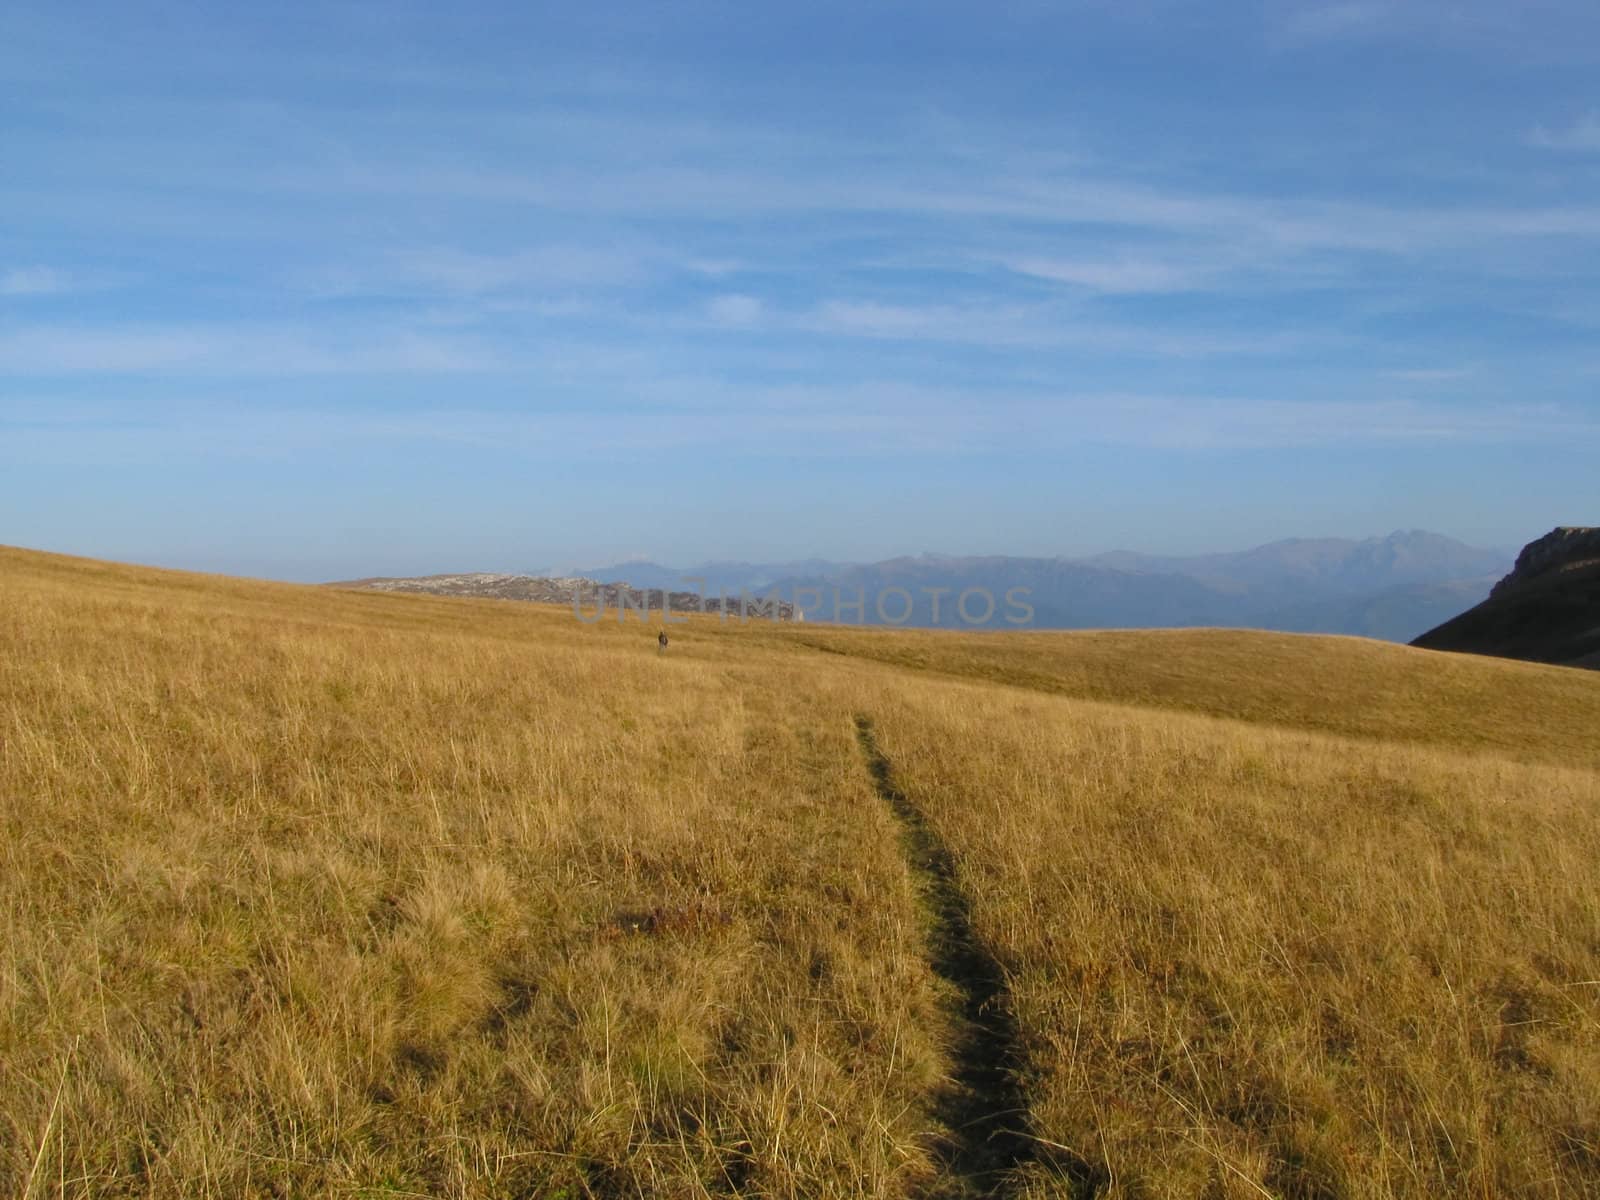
(318, 892)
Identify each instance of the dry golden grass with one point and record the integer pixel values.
(326, 893)
(309, 893)
(1250, 962)
(1351, 686)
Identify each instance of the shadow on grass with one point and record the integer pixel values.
(985, 1112)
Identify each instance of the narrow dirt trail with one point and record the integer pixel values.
(984, 1109)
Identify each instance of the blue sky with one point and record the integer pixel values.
(322, 290)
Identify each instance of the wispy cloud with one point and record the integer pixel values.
(1430, 374)
(232, 350)
(1001, 189)
(869, 419)
(1283, 424)
(1115, 276)
(1040, 326)
(735, 309)
(34, 281)
(1330, 22)
(1544, 31)
(1582, 135)
(449, 271)
(460, 340)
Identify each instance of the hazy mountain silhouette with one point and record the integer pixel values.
(1392, 587)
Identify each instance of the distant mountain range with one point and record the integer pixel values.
(1393, 587)
(1546, 610)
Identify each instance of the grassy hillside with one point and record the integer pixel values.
(1349, 686)
(319, 892)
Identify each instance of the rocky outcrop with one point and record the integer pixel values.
(1562, 549)
(589, 596)
(1546, 610)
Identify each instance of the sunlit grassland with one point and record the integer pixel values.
(1352, 686)
(1250, 959)
(319, 892)
(312, 892)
